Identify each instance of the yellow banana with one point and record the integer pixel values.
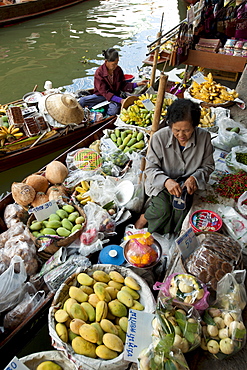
(85, 185)
(2, 142)
(10, 128)
(18, 134)
(14, 130)
(2, 136)
(4, 129)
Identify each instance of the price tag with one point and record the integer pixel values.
(187, 243)
(15, 364)
(44, 210)
(148, 104)
(199, 78)
(138, 323)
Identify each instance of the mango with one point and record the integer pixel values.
(93, 299)
(100, 283)
(73, 216)
(116, 276)
(78, 312)
(110, 316)
(85, 279)
(67, 322)
(83, 347)
(48, 365)
(71, 335)
(100, 292)
(48, 231)
(62, 213)
(90, 310)
(112, 291)
(105, 353)
(131, 283)
(100, 331)
(125, 298)
(87, 289)
(114, 284)
(67, 224)
(36, 234)
(123, 323)
(68, 303)
(54, 224)
(121, 333)
(61, 315)
(101, 310)
(68, 208)
(89, 333)
(36, 226)
(79, 220)
(137, 306)
(132, 292)
(75, 325)
(78, 294)
(61, 231)
(99, 275)
(117, 308)
(75, 228)
(62, 332)
(54, 217)
(113, 342)
(108, 327)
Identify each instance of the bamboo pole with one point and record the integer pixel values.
(155, 60)
(159, 102)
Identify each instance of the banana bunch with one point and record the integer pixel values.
(207, 118)
(9, 134)
(212, 92)
(3, 109)
(82, 197)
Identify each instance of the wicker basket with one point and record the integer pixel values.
(57, 243)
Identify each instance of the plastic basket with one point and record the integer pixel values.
(205, 220)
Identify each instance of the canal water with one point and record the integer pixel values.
(66, 46)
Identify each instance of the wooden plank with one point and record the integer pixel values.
(220, 62)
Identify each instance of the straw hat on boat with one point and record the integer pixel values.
(64, 108)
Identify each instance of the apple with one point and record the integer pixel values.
(219, 322)
(212, 330)
(213, 346)
(223, 333)
(226, 346)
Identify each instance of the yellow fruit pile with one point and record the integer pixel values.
(81, 191)
(9, 134)
(207, 118)
(212, 92)
(94, 319)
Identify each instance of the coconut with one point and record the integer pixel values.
(38, 182)
(56, 172)
(22, 194)
(39, 199)
(56, 192)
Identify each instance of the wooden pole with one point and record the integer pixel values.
(159, 102)
(155, 60)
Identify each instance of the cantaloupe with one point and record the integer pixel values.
(56, 172)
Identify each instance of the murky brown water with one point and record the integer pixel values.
(65, 47)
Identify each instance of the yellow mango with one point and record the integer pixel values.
(83, 347)
(71, 335)
(89, 333)
(78, 312)
(116, 276)
(87, 289)
(113, 342)
(131, 283)
(105, 353)
(123, 323)
(100, 292)
(114, 284)
(112, 291)
(49, 365)
(137, 306)
(117, 308)
(121, 333)
(100, 331)
(77, 294)
(93, 299)
(85, 279)
(108, 326)
(62, 332)
(75, 325)
(101, 310)
(99, 275)
(61, 315)
(125, 298)
(90, 310)
(132, 292)
(68, 303)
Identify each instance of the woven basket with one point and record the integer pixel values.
(64, 242)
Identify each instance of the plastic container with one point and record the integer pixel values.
(205, 220)
(112, 254)
(129, 78)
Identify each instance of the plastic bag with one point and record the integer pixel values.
(12, 284)
(139, 250)
(15, 213)
(114, 156)
(226, 140)
(185, 288)
(85, 159)
(236, 225)
(236, 158)
(224, 332)
(242, 204)
(29, 303)
(231, 293)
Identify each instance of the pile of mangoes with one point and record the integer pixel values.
(94, 319)
(127, 140)
(137, 114)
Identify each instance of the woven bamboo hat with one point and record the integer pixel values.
(64, 108)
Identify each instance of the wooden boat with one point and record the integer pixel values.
(21, 11)
(37, 319)
(61, 139)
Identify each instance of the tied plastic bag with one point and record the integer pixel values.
(242, 204)
(236, 160)
(12, 284)
(231, 293)
(185, 288)
(226, 139)
(224, 333)
(139, 250)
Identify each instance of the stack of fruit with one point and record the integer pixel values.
(9, 134)
(127, 140)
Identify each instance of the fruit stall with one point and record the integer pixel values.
(73, 261)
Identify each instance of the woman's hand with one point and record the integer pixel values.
(141, 83)
(173, 187)
(191, 185)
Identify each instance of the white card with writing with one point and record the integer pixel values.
(16, 364)
(148, 104)
(44, 210)
(187, 243)
(139, 334)
(199, 78)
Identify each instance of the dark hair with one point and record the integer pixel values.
(110, 54)
(183, 110)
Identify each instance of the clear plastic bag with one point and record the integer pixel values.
(242, 204)
(226, 140)
(232, 159)
(14, 213)
(185, 288)
(12, 284)
(231, 293)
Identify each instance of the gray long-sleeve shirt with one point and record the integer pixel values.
(165, 159)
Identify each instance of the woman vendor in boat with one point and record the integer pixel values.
(109, 83)
(179, 161)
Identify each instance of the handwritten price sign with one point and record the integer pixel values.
(44, 210)
(16, 364)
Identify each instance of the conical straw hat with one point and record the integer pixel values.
(64, 108)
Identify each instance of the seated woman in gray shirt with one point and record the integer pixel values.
(179, 161)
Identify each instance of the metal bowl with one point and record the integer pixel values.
(32, 98)
(156, 246)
